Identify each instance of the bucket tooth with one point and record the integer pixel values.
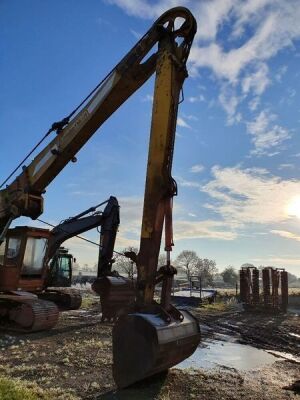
(144, 345)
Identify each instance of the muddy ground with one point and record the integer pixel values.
(76, 356)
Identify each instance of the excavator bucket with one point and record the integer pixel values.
(116, 292)
(144, 345)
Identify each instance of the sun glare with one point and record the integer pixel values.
(293, 208)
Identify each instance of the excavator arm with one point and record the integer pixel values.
(109, 221)
(154, 335)
(23, 197)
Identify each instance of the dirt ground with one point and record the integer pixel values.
(76, 357)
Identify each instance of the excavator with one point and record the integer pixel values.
(25, 275)
(150, 334)
(60, 272)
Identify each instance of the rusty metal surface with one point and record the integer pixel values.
(12, 276)
(275, 286)
(116, 294)
(255, 286)
(64, 298)
(266, 287)
(284, 290)
(274, 296)
(25, 314)
(9, 277)
(145, 344)
(249, 286)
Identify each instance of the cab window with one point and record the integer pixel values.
(13, 247)
(2, 252)
(64, 267)
(34, 256)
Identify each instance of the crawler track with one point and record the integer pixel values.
(23, 314)
(64, 298)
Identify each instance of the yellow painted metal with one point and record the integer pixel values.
(170, 74)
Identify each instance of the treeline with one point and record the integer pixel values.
(189, 264)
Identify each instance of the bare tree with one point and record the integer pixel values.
(124, 264)
(187, 261)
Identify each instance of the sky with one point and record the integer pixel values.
(237, 150)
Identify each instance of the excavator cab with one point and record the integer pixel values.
(60, 268)
(22, 276)
(26, 298)
(22, 256)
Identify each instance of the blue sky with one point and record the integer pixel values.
(237, 148)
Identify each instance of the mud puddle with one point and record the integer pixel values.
(228, 354)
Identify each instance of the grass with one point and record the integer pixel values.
(217, 306)
(15, 389)
(294, 291)
(88, 301)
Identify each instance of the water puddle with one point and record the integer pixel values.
(294, 310)
(228, 354)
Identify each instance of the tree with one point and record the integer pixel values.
(124, 264)
(229, 275)
(187, 261)
(248, 265)
(206, 269)
(292, 278)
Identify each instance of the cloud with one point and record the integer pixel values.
(148, 97)
(194, 99)
(254, 103)
(275, 26)
(250, 196)
(182, 123)
(190, 117)
(257, 81)
(266, 134)
(279, 261)
(144, 8)
(230, 101)
(185, 183)
(197, 168)
(210, 16)
(202, 229)
(286, 234)
(281, 71)
(286, 166)
(136, 34)
(256, 31)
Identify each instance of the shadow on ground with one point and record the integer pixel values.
(148, 389)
